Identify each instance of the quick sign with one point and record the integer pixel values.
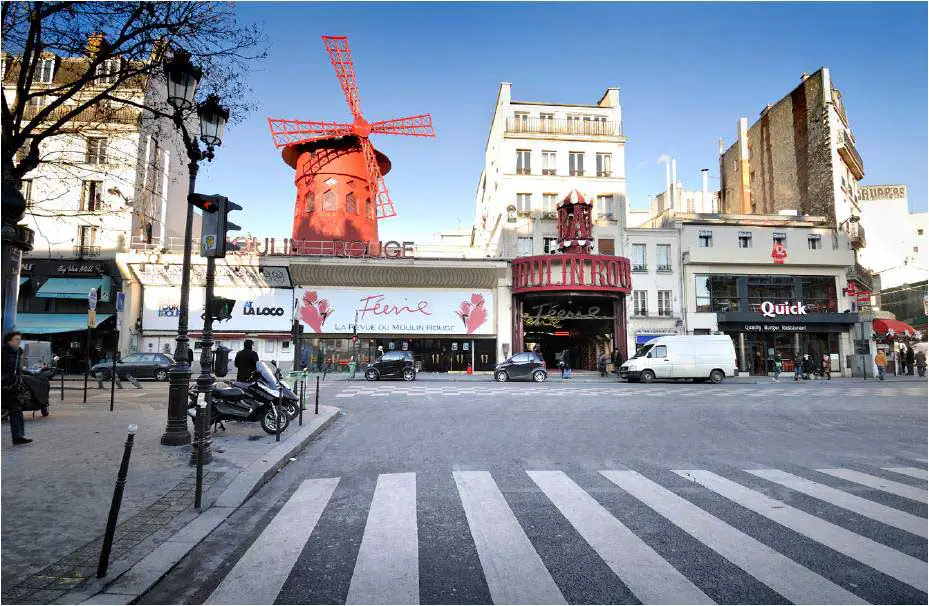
(401, 311)
(770, 309)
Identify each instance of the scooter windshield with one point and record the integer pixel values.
(267, 373)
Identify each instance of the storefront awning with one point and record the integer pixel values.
(68, 288)
(48, 324)
(883, 327)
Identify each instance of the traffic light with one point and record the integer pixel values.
(215, 224)
(221, 309)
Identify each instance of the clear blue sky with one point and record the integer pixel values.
(686, 73)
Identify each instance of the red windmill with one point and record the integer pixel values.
(339, 175)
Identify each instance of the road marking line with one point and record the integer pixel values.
(649, 576)
(880, 557)
(784, 576)
(901, 490)
(259, 575)
(513, 569)
(387, 567)
(869, 509)
(913, 472)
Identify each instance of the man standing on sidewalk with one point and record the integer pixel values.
(246, 362)
(14, 390)
(880, 360)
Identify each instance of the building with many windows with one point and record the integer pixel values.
(655, 306)
(536, 154)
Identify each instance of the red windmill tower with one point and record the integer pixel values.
(339, 175)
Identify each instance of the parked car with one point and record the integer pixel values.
(525, 366)
(697, 357)
(392, 365)
(138, 365)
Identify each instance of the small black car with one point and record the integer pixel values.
(138, 365)
(526, 366)
(392, 365)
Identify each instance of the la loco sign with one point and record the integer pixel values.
(255, 309)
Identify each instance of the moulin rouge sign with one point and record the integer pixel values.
(571, 272)
(284, 247)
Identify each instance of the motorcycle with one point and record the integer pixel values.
(249, 401)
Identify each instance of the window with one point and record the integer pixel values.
(329, 201)
(776, 289)
(919, 232)
(269, 346)
(604, 165)
(522, 162)
(523, 247)
(706, 238)
(576, 164)
(549, 158)
(640, 303)
(107, 71)
(309, 201)
(351, 203)
(86, 235)
(605, 207)
(25, 188)
(606, 246)
(547, 122)
(663, 254)
(664, 303)
(521, 121)
(45, 70)
(819, 294)
(814, 241)
(745, 239)
(659, 351)
(90, 195)
(523, 203)
(550, 244)
(638, 257)
(549, 201)
(370, 212)
(779, 237)
(715, 293)
(96, 151)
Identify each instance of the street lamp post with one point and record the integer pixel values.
(182, 79)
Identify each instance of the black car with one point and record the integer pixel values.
(138, 365)
(392, 365)
(526, 366)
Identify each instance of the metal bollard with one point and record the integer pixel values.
(317, 395)
(302, 397)
(204, 424)
(115, 504)
(113, 381)
(62, 370)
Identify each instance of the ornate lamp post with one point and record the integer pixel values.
(182, 78)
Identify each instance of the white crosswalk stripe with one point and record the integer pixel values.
(888, 515)
(386, 567)
(258, 576)
(780, 573)
(652, 579)
(901, 490)
(913, 472)
(880, 557)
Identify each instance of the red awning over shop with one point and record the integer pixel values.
(884, 326)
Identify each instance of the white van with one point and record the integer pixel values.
(698, 357)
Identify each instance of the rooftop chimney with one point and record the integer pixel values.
(804, 76)
(705, 194)
(674, 185)
(744, 169)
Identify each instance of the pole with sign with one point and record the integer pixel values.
(91, 324)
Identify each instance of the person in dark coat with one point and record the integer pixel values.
(14, 390)
(246, 361)
(190, 356)
(910, 360)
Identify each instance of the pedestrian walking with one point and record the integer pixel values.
(604, 360)
(798, 366)
(615, 360)
(920, 359)
(565, 363)
(320, 358)
(15, 393)
(880, 360)
(377, 356)
(759, 364)
(910, 360)
(246, 361)
(778, 365)
(827, 367)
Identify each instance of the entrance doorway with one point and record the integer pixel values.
(582, 325)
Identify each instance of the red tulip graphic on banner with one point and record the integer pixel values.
(314, 311)
(472, 313)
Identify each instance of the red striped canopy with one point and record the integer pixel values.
(900, 328)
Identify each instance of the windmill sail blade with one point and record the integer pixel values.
(414, 126)
(289, 132)
(341, 58)
(382, 203)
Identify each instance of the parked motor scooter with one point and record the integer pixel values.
(246, 401)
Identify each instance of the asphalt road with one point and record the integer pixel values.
(480, 493)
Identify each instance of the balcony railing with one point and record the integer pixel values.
(839, 105)
(95, 114)
(860, 274)
(856, 235)
(850, 155)
(664, 268)
(86, 251)
(541, 126)
(640, 268)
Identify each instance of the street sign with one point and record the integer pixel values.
(92, 299)
(120, 300)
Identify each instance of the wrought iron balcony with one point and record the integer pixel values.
(860, 274)
(541, 126)
(86, 251)
(850, 155)
(856, 235)
(96, 114)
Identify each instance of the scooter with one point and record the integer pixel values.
(246, 402)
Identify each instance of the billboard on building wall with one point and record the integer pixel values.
(255, 309)
(405, 311)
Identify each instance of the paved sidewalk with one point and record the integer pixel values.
(56, 492)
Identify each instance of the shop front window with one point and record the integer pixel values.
(716, 293)
(819, 294)
(775, 289)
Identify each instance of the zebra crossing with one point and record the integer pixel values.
(616, 390)
(868, 529)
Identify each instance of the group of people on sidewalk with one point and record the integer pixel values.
(908, 357)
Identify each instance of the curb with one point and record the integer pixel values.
(129, 580)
